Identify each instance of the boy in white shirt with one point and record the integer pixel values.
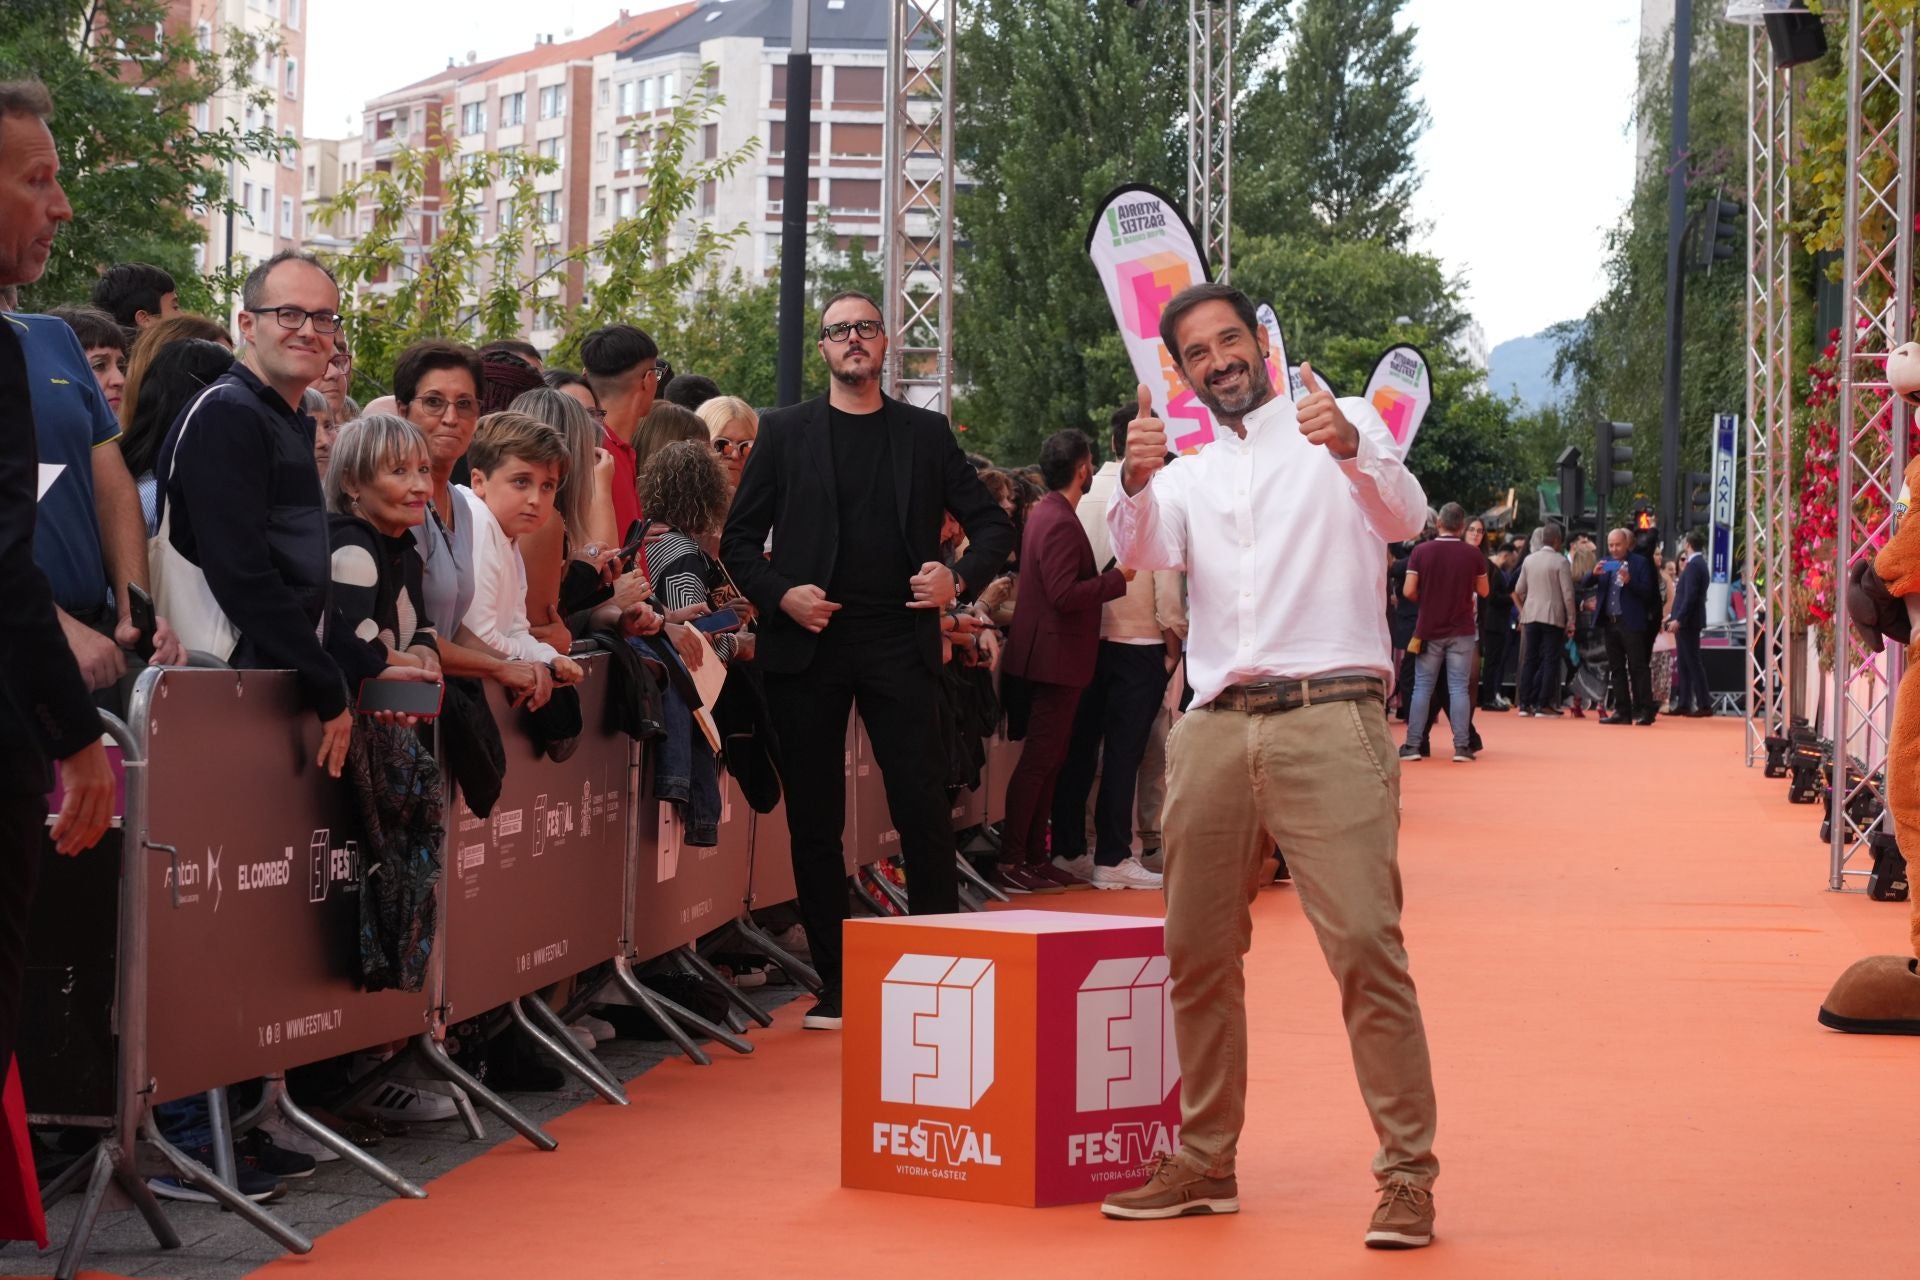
(518, 463)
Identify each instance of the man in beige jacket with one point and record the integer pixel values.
(1140, 637)
(1548, 617)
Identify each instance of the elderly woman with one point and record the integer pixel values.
(379, 482)
(325, 426)
(733, 425)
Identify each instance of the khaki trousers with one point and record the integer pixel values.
(1324, 783)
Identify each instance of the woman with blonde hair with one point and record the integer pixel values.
(162, 333)
(585, 527)
(734, 425)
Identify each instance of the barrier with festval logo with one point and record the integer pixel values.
(1019, 1057)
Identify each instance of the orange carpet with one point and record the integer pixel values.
(1621, 937)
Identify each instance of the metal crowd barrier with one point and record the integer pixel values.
(229, 890)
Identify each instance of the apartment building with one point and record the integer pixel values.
(747, 42)
(268, 190)
(328, 166)
(539, 101)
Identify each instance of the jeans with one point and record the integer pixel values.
(1456, 652)
(1545, 642)
(684, 772)
(1323, 783)
(1110, 732)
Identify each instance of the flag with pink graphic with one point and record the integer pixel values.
(1145, 253)
(1402, 390)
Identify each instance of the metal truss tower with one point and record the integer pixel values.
(1874, 424)
(1210, 130)
(917, 203)
(1770, 365)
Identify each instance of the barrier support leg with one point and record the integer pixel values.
(969, 901)
(873, 905)
(220, 1125)
(107, 1171)
(894, 893)
(701, 967)
(638, 992)
(192, 1170)
(972, 876)
(558, 1028)
(561, 1056)
(74, 1175)
(713, 1031)
(793, 965)
(430, 1050)
(379, 1172)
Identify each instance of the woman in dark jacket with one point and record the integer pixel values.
(379, 481)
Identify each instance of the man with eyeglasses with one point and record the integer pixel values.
(854, 487)
(337, 382)
(623, 368)
(240, 499)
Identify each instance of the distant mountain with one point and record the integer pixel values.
(1523, 367)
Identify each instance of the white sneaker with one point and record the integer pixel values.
(284, 1135)
(1081, 866)
(1128, 875)
(600, 1027)
(407, 1104)
(793, 941)
(582, 1037)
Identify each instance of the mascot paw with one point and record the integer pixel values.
(1877, 996)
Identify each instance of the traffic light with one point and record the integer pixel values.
(1717, 232)
(1612, 458)
(1643, 518)
(1699, 500)
(1573, 489)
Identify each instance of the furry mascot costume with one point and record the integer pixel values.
(1881, 994)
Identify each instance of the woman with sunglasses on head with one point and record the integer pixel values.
(734, 425)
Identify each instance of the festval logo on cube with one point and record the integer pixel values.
(936, 1031)
(1125, 1054)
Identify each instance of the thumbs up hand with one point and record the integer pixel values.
(1146, 446)
(1321, 421)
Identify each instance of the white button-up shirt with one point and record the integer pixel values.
(498, 614)
(1284, 546)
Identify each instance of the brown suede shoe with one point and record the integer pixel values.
(1404, 1219)
(1174, 1189)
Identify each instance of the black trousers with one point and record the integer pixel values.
(1630, 657)
(1493, 662)
(23, 818)
(1050, 714)
(1110, 732)
(1538, 678)
(1691, 669)
(881, 673)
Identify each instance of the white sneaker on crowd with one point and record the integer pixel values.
(286, 1136)
(793, 941)
(582, 1037)
(1155, 862)
(600, 1027)
(1081, 866)
(411, 1095)
(1127, 875)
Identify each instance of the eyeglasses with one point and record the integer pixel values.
(839, 332)
(341, 361)
(292, 318)
(724, 446)
(437, 406)
(661, 372)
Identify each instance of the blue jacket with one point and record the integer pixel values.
(1690, 596)
(1639, 599)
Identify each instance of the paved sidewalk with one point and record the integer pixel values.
(216, 1245)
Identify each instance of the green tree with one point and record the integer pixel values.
(1065, 100)
(1344, 117)
(125, 80)
(1614, 358)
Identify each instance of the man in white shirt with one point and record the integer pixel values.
(1280, 524)
(1140, 638)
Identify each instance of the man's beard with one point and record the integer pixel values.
(856, 377)
(1258, 391)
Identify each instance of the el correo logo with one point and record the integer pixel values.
(936, 1031)
(1125, 1052)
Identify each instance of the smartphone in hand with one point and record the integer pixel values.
(719, 622)
(419, 698)
(141, 613)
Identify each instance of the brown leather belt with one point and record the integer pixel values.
(1291, 695)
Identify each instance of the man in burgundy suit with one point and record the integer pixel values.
(1055, 641)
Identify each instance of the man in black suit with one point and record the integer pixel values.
(854, 486)
(1687, 619)
(45, 713)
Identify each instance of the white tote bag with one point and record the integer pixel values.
(180, 591)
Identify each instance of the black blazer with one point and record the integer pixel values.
(45, 711)
(1690, 596)
(788, 489)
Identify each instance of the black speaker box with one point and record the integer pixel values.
(1796, 38)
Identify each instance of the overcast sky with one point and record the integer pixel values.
(1528, 161)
